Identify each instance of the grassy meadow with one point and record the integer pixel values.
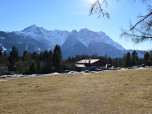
(108, 92)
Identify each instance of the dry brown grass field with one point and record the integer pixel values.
(111, 92)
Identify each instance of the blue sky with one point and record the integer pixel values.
(72, 15)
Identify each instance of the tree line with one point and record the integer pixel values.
(128, 60)
(132, 59)
(30, 63)
(48, 61)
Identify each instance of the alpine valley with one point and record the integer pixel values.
(37, 39)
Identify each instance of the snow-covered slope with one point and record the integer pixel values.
(40, 34)
(108, 40)
(54, 37)
(87, 36)
(36, 39)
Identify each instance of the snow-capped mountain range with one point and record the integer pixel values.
(42, 35)
(54, 37)
(34, 38)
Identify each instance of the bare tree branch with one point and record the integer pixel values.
(141, 20)
(97, 8)
(139, 32)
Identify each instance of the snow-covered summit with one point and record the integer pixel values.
(40, 34)
(31, 28)
(106, 39)
(54, 37)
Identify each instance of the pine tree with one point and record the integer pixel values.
(127, 60)
(38, 66)
(46, 56)
(50, 56)
(120, 63)
(14, 55)
(57, 56)
(116, 62)
(134, 59)
(34, 56)
(1, 52)
(24, 54)
(109, 60)
(32, 68)
(41, 56)
(146, 56)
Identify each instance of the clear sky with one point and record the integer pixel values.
(72, 15)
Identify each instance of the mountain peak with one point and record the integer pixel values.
(84, 30)
(34, 25)
(30, 28)
(74, 32)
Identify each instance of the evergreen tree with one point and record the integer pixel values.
(34, 56)
(150, 56)
(24, 54)
(120, 63)
(50, 56)
(32, 68)
(38, 66)
(124, 60)
(62, 66)
(116, 62)
(127, 60)
(41, 56)
(57, 56)
(46, 56)
(4, 60)
(109, 60)
(14, 55)
(134, 59)
(1, 52)
(146, 56)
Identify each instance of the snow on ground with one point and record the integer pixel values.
(20, 75)
(55, 73)
(72, 72)
(85, 73)
(3, 80)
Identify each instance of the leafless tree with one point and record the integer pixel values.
(138, 32)
(97, 8)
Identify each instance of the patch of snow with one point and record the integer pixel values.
(55, 73)
(83, 42)
(3, 46)
(3, 80)
(20, 75)
(26, 46)
(39, 49)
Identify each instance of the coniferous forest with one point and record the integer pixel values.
(48, 61)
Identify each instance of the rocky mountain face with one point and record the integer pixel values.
(8, 40)
(36, 39)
